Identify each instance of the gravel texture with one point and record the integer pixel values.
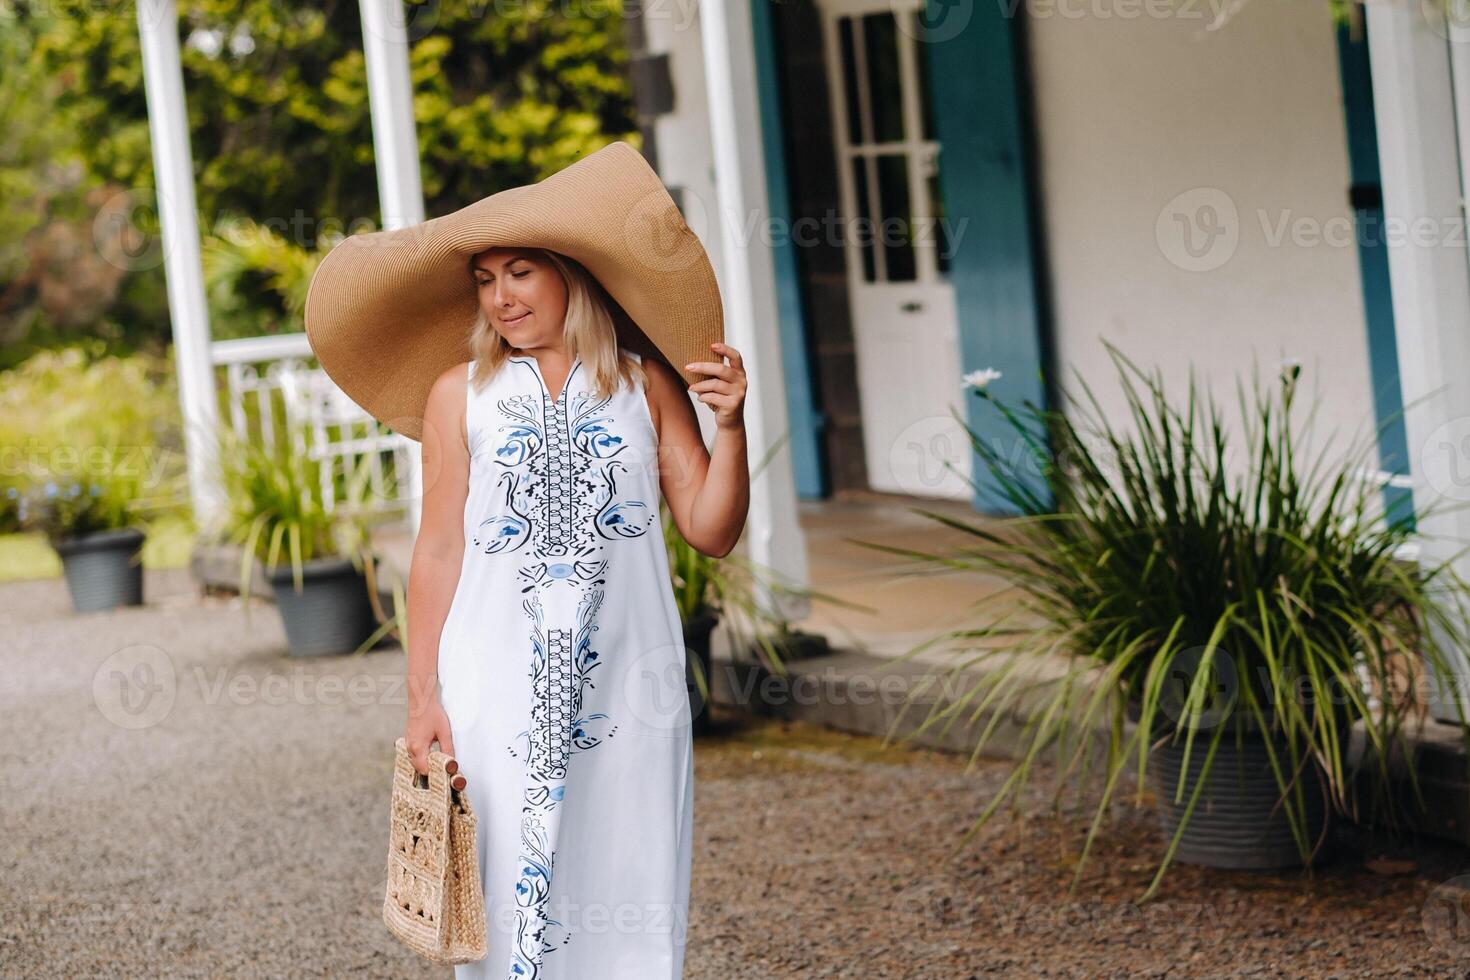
(232, 822)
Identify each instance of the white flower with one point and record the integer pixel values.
(981, 378)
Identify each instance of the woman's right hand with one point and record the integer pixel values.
(427, 724)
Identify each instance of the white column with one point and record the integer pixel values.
(1413, 93)
(773, 534)
(395, 149)
(173, 166)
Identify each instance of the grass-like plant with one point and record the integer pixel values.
(95, 443)
(731, 588)
(1176, 591)
(63, 509)
(277, 507)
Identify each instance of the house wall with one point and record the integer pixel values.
(1131, 113)
(678, 141)
(1141, 122)
(677, 134)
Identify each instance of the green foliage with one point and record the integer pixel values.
(279, 505)
(734, 589)
(64, 510)
(256, 280)
(280, 131)
(78, 418)
(1167, 588)
(278, 101)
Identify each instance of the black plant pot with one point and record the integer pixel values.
(103, 569)
(331, 614)
(697, 642)
(1237, 822)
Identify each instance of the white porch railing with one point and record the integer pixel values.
(278, 377)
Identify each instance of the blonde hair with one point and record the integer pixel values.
(587, 331)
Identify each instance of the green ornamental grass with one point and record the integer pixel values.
(1155, 592)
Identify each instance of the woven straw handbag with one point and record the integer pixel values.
(434, 903)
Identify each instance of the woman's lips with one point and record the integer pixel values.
(517, 319)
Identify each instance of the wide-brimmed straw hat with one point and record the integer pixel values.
(388, 312)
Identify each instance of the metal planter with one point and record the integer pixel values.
(1236, 821)
(103, 569)
(331, 614)
(697, 646)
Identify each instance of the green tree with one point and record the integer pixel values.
(504, 94)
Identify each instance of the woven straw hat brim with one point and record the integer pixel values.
(390, 311)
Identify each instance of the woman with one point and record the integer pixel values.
(540, 599)
(545, 651)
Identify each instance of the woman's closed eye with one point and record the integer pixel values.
(513, 275)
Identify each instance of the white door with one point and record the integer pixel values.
(903, 310)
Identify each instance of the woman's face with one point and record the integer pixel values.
(522, 294)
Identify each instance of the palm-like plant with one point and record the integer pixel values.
(735, 589)
(277, 508)
(1194, 602)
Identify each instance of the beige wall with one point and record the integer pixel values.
(1133, 112)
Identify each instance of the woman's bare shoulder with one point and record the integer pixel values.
(446, 402)
(662, 377)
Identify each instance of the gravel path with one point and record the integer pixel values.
(232, 823)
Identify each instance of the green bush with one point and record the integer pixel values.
(277, 506)
(1163, 588)
(89, 442)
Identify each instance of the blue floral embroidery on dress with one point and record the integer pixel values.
(562, 501)
(507, 531)
(622, 519)
(525, 433)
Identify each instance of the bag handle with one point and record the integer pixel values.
(442, 768)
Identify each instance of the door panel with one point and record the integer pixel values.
(903, 309)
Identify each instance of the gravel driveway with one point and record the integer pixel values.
(182, 799)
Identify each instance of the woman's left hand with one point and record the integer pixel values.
(724, 392)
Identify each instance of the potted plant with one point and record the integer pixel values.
(1219, 623)
(93, 526)
(708, 590)
(98, 459)
(315, 554)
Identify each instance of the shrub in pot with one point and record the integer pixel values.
(1218, 623)
(100, 459)
(735, 590)
(94, 530)
(314, 552)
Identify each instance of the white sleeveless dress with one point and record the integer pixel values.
(562, 672)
